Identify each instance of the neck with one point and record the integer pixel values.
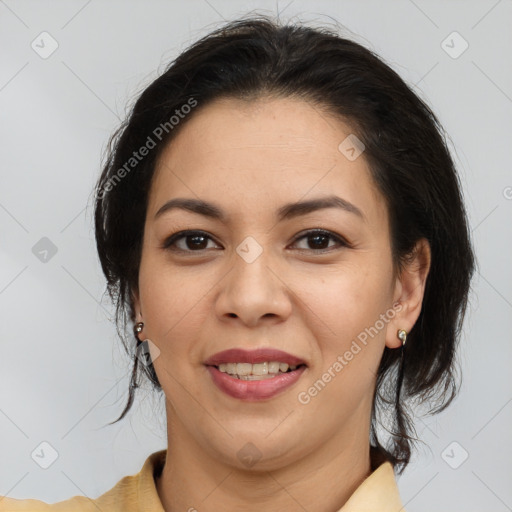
(321, 480)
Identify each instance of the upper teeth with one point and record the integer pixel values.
(265, 368)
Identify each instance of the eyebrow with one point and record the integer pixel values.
(286, 212)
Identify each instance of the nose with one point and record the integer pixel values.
(253, 292)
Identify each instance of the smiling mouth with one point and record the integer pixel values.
(257, 371)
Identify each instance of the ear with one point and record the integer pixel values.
(136, 306)
(409, 291)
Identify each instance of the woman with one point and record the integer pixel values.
(281, 224)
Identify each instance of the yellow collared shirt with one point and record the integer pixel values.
(137, 493)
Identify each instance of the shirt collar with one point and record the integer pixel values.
(148, 498)
(377, 493)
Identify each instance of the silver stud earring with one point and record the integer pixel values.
(402, 336)
(138, 329)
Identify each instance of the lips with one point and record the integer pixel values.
(265, 386)
(260, 355)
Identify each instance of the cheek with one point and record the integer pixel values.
(346, 311)
(172, 300)
(347, 298)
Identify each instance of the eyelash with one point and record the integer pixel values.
(170, 241)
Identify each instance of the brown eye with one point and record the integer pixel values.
(318, 240)
(188, 241)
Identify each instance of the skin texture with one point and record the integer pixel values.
(250, 158)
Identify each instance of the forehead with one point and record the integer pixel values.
(270, 150)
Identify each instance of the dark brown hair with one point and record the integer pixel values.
(409, 160)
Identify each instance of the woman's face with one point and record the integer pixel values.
(254, 279)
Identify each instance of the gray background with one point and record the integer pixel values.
(63, 374)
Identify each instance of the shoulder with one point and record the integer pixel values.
(123, 497)
(77, 503)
